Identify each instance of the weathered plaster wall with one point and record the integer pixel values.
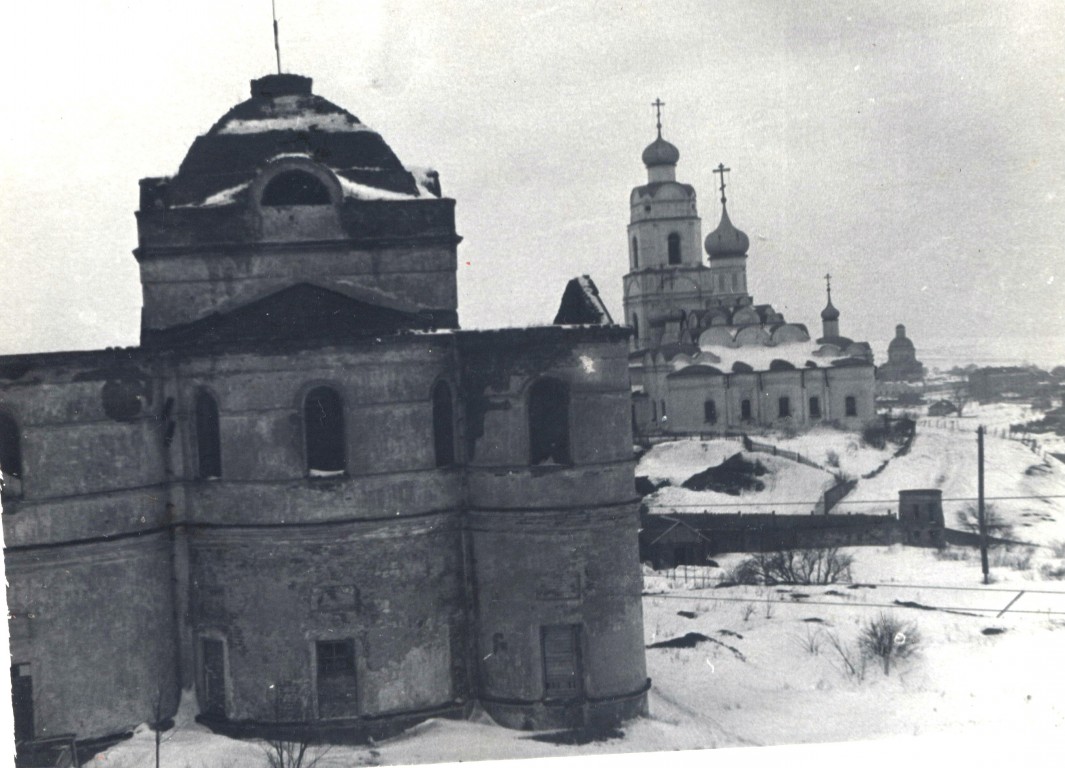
(395, 587)
(96, 624)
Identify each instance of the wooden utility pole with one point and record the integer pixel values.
(980, 513)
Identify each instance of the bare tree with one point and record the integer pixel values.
(959, 396)
(997, 526)
(294, 746)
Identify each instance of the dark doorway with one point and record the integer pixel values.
(562, 662)
(815, 407)
(22, 702)
(549, 422)
(850, 405)
(443, 425)
(745, 410)
(214, 678)
(336, 679)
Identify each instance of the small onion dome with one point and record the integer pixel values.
(900, 343)
(829, 312)
(726, 240)
(660, 152)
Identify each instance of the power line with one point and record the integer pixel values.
(950, 609)
(808, 502)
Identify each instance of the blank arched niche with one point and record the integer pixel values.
(323, 427)
(549, 422)
(295, 187)
(208, 437)
(443, 425)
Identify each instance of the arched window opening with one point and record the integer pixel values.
(784, 407)
(851, 405)
(815, 407)
(673, 245)
(549, 422)
(635, 254)
(745, 410)
(10, 456)
(443, 425)
(323, 424)
(208, 437)
(295, 188)
(710, 412)
(635, 326)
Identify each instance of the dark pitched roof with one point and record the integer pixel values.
(581, 304)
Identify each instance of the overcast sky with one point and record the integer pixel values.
(914, 150)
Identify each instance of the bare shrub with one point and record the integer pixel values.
(826, 565)
(954, 553)
(997, 526)
(1015, 558)
(295, 748)
(832, 459)
(887, 639)
(744, 572)
(810, 640)
(748, 611)
(848, 659)
(1052, 572)
(874, 433)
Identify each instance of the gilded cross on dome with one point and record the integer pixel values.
(658, 104)
(721, 169)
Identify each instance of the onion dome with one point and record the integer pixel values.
(726, 240)
(660, 152)
(829, 312)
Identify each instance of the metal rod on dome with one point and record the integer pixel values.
(277, 45)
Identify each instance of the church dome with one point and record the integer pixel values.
(829, 312)
(283, 117)
(902, 344)
(726, 240)
(660, 152)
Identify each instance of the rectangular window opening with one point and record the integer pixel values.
(562, 664)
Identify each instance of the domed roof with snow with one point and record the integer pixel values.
(283, 117)
(660, 152)
(726, 240)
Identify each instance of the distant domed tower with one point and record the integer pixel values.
(902, 364)
(829, 315)
(667, 277)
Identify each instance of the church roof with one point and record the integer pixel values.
(581, 304)
(283, 117)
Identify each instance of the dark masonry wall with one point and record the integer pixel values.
(95, 624)
(670, 540)
(392, 589)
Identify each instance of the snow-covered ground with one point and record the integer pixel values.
(785, 482)
(766, 672)
(769, 675)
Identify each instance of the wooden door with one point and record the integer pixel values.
(214, 678)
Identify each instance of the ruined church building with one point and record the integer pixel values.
(307, 494)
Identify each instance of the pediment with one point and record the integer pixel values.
(299, 312)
